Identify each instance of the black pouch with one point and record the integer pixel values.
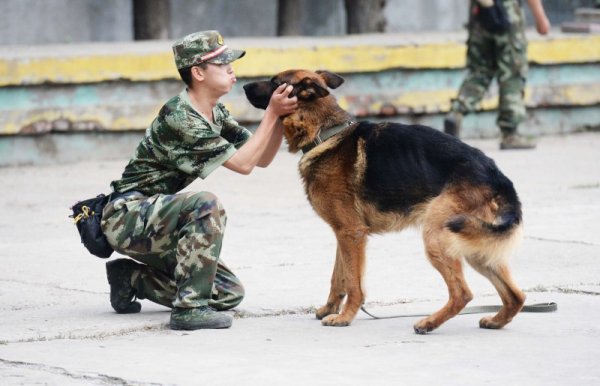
(494, 19)
(87, 215)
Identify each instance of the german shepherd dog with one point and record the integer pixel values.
(364, 178)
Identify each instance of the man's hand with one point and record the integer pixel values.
(542, 24)
(262, 146)
(280, 103)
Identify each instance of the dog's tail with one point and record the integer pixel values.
(504, 204)
(471, 226)
(491, 238)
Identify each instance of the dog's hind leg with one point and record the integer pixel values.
(451, 268)
(512, 297)
(337, 292)
(459, 292)
(352, 247)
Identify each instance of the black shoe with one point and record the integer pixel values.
(452, 123)
(122, 294)
(198, 318)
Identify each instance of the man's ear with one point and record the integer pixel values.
(197, 73)
(332, 80)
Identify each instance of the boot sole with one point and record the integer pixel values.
(132, 308)
(513, 147)
(175, 325)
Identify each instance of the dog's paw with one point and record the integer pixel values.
(335, 320)
(327, 309)
(489, 322)
(423, 327)
(322, 312)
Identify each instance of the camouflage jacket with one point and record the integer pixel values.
(179, 146)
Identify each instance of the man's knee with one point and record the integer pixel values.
(206, 204)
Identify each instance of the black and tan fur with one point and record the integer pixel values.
(381, 177)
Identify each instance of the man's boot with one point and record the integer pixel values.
(122, 294)
(452, 123)
(198, 318)
(511, 140)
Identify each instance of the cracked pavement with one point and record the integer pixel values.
(57, 326)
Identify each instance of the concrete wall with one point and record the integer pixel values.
(72, 21)
(64, 21)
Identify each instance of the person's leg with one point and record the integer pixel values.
(179, 238)
(228, 290)
(481, 69)
(131, 279)
(512, 75)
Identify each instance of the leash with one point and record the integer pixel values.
(538, 307)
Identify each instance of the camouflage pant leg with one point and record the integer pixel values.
(178, 235)
(503, 56)
(228, 291)
(155, 285)
(512, 73)
(481, 69)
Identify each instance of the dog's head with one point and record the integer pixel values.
(308, 86)
(317, 109)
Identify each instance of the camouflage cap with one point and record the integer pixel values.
(203, 47)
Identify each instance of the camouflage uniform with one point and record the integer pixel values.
(178, 236)
(503, 56)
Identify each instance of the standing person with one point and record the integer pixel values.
(175, 238)
(497, 47)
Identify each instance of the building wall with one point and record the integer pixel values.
(64, 21)
(73, 21)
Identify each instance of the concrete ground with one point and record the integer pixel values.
(57, 326)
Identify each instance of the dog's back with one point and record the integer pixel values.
(407, 164)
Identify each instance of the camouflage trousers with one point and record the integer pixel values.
(500, 56)
(178, 239)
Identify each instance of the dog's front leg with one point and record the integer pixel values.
(337, 292)
(351, 246)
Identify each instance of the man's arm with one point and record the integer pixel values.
(261, 148)
(542, 24)
(272, 147)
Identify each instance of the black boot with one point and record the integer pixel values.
(452, 123)
(122, 294)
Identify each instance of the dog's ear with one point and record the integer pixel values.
(332, 80)
(308, 89)
(259, 93)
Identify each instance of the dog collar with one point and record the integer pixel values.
(324, 135)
